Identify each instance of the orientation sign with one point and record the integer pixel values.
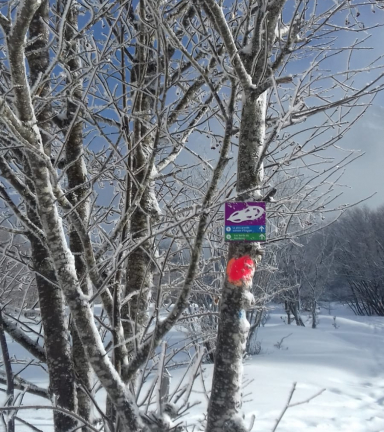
(245, 221)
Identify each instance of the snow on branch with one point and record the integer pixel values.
(217, 18)
(16, 50)
(4, 23)
(24, 340)
(25, 385)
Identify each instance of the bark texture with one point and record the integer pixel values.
(48, 192)
(139, 271)
(77, 182)
(225, 400)
(66, 274)
(51, 300)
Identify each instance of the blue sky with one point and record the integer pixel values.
(366, 175)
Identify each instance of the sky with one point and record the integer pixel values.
(366, 175)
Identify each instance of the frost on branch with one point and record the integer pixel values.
(123, 132)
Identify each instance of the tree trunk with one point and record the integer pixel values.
(294, 308)
(65, 270)
(225, 400)
(253, 328)
(139, 270)
(53, 315)
(56, 337)
(288, 311)
(314, 313)
(77, 179)
(139, 277)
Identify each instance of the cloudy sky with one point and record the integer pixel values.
(366, 175)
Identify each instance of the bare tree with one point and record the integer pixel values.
(111, 117)
(265, 45)
(304, 271)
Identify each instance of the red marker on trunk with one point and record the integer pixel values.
(240, 270)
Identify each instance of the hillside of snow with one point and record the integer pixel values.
(343, 356)
(346, 361)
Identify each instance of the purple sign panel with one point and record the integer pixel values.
(245, 221)
(245, 213)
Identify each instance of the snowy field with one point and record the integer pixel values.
(345, 359)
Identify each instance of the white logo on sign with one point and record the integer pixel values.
(228, 236)
(228, 229)
(250, 213)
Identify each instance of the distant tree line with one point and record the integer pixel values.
(343, 262)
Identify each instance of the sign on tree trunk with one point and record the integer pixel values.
(245, 221)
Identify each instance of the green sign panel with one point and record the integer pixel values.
(245, 236)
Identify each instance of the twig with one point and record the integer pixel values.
(54, 408)
(34, 428)
(22, 384)
(289, 405)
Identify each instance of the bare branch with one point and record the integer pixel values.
(216, 16)
(24, 340)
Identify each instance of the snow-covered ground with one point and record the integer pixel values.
(345, 359)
